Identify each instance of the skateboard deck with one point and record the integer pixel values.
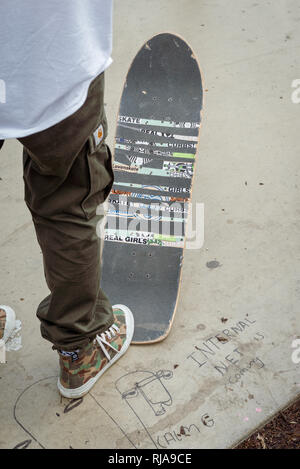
(154, 156)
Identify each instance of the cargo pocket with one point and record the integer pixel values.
(101, 178)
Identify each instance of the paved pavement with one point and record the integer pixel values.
(227, 365)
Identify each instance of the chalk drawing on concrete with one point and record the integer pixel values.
(150, 386)
(146, 391)
(53, 405)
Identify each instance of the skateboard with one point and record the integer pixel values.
(154, 156)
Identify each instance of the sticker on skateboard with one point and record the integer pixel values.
(154, 161)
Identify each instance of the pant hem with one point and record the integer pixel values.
(70, 347)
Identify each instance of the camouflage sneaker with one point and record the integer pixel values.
(79, 371)
(7, 322)
(7, 325)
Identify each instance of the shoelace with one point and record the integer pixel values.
(101, 339)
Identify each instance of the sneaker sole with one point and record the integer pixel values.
(85, 388)
(10, 321)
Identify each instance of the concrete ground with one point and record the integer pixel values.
(227, 365)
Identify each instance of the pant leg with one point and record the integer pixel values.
(67, 175)
(1, 143)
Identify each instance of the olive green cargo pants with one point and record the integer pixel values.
(67, 174)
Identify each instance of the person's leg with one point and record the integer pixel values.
(1, 143)
(67, 174)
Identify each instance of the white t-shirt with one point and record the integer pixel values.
(50, 51)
